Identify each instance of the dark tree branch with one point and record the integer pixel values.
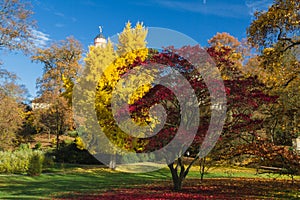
(289, 81)
(292, 45)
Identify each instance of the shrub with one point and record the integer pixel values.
(72, 134)
(67, 142)
(16, 161)
(24, 146)
(36, 164)
(130, 158)
(71, 154)
(5, 166)
(53, 142)
(48, 161)
(37, 146)
(79, 143)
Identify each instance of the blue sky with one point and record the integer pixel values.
(199, 19)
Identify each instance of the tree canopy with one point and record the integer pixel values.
(16, 25)
(61, 62)
(11, 120)
(279, 24)
(276, 32)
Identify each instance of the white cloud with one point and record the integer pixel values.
(89, 3)
(259, 5)
(64, 17)
(40, 39)
(73, 19)
(208, 8)
(59, 14)
(58, 25)
(235, 9)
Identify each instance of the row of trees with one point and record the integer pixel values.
(262, 116)
(61, 63)
(262, 89)
(16, 28)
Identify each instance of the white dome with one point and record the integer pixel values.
(100, 41)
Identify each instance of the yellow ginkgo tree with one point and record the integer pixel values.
(106, 67)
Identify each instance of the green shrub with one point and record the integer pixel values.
(130, 158)
(53, 142)
(48, 161)
(71, 154)
(35, 164)
(16, 161)
(24, 146)
(72, 134)
(79, 143)
(137, 158)
(67, 142)
(5, 162)
(37, 146)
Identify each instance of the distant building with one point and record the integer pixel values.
(296, 144)
(100, 40)
(39, 103)
(36, 106)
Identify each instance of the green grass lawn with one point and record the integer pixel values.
(72, 179)
(64, 181)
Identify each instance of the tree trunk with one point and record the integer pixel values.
(57, 128)
(49, 135)
(202, 167)
(177, 184)
(57, 140)
(177, 180)
(112, 162)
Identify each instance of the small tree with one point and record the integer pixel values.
(11, 120)
(61, 68)
(35, 164)
(55, 118)
(243, 94)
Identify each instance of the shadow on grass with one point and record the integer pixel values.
(74, 181)
(77, 181)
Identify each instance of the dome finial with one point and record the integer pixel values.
(100, 28)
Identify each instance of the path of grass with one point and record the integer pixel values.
(70, 180)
